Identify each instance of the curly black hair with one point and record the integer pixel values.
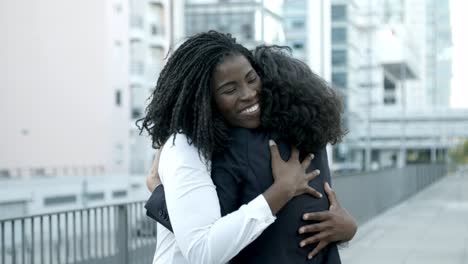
(182, 101)
(296, 103)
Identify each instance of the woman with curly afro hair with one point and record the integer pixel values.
(214, 110)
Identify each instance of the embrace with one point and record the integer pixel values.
(242, 157)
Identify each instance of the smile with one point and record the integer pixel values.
(251, 109)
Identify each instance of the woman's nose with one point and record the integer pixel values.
(249, 93)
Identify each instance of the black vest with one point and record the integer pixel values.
(242, 172)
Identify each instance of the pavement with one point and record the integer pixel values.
(431, 227)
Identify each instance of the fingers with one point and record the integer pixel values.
(311, 191)
(294, 153)
(314, 228)
(331, 196)
(310, 176)
(275, 155)
(316, 216)
(313, 239)
(317, 249)
(306, 162)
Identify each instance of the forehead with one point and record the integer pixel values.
(232, 66)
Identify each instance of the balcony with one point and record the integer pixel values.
(136, 27)
(157, 35)
(396, 54)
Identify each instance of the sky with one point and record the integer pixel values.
(459, 96)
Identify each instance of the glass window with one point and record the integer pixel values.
(389, 100)
(297, 24)
(118, 98)
(56, 200)
(119, 193)
(388, 84)
(298, 45)
(339, 58)
(93, 196)
(338, 13)
(340, 80)
(339, 35)
(247, 31)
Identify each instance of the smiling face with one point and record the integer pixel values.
(236, 86)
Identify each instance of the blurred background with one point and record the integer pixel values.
(75, 77)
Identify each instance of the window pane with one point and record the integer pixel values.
(339, 58)
(339, 35)
(339, 80)
(338, 12)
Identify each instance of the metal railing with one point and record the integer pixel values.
(120, 233)
(367, 194)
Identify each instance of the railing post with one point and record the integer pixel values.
(122, 234)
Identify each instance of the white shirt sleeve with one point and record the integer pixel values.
(202, 235)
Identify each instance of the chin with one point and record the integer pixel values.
(251, 125)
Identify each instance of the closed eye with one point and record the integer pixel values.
(252, 80)
(229, 91)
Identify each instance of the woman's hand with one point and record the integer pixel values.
(292, 174)
(152, 179)
(334, 225)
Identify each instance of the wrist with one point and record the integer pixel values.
(284, 187)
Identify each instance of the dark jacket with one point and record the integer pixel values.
(241, 173)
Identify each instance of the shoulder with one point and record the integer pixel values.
(179, 144)
(178, 151)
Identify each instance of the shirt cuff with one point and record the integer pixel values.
(259, 209)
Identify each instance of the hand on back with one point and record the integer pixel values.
(291, 174)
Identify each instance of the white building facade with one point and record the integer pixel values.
(392, 116)
(250, 22)
(306, 25)
(64, 96)
(153, 30)
(75, 78)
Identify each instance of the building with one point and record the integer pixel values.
(438, 56)
(345, 64)
(153, 30)
(64, 97)
(72, 88)
(306, 25)
(396, 119)
(251, 22)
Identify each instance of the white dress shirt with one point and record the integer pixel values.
(201, 235)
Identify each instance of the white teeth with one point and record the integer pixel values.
(251, 109)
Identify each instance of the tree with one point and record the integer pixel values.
(460, 153)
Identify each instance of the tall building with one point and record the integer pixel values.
(251, 21)
(345, 63)
(306, 25)
(64, 96)
(153, 30)
(398, 121)
(438, 54)
(72, 88)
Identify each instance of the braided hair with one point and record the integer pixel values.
(182, 101)
(296, 103)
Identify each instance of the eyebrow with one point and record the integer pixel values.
(233, 82)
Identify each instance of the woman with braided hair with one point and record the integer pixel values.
(208, 106)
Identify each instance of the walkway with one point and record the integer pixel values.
(430, 227)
